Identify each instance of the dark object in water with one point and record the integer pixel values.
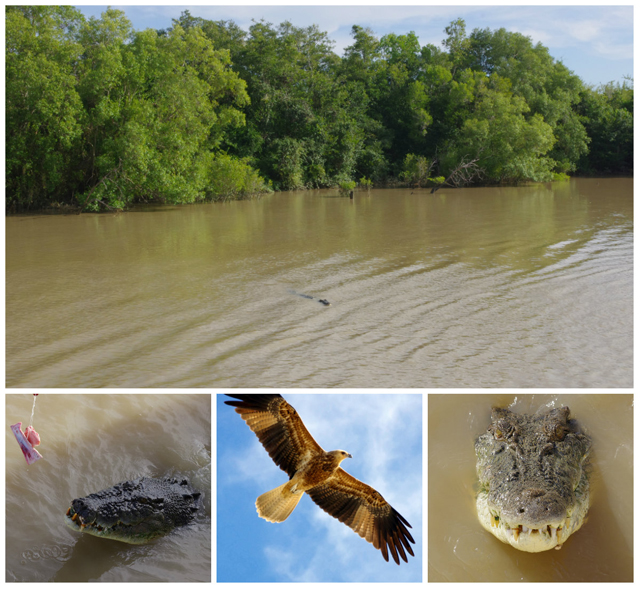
(325, 302)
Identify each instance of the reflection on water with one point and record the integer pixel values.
(460, 550)
(518, 287)
(90, 442)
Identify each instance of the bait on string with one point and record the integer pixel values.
(28, 439)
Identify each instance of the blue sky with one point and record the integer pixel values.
(383, 432)
(595, 42)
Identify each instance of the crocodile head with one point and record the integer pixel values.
(134, 511)
(534, 491)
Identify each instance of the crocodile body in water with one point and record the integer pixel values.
(534, 491)
(325, 302)
(135, 511)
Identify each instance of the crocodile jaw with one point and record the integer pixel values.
(528, 539)
(120, 532)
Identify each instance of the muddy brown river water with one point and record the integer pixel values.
(460, 550)
(482, 287)
(90, 442)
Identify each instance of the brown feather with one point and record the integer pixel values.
(366, 512)
(279, 429)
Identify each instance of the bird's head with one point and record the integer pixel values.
(340, 455)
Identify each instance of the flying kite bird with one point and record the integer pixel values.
(318, 473)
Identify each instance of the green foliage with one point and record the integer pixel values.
(231, 178)
(547, 86)
(103, 116)
(306, 126)
(44, 113)
(346, 187)
(416, 169)
(607, 113)
(509, 147)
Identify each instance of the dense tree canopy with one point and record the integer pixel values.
(101, 116)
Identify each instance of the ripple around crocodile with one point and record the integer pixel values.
(533, 471)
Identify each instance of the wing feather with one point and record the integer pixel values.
(279, 428)
(366, 512)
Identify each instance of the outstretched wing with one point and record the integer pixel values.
(279, 429)
(366, 512)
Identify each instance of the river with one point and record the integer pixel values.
(90, 442)
(482, 287)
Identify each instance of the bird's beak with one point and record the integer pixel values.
(349, 456)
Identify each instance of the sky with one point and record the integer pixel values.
(383, 433)
(595, 42)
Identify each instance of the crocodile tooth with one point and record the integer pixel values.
(516, 532)
(69, 511)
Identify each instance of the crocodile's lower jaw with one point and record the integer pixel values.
(527, 539)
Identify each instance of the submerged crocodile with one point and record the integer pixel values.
(325, 302)
(534, 491)
(135, 511)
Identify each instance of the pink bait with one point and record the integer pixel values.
(32, 436)
(26, 443)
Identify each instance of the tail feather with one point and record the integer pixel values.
(276, 505)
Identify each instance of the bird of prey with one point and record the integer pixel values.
(318, 473)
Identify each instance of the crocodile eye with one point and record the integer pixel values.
(561, 431)
(498, 434)
(547, 449)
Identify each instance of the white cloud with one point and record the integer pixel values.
(595, 30)
(614, 51)
(586, 30)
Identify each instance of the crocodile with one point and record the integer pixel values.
(533, 471)
(325, 302)
(136, 511)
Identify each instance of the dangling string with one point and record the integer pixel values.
(33, 409)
